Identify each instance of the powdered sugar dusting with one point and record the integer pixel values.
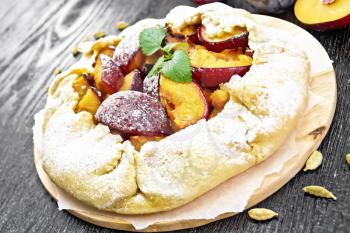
(127, 48)
(111, 75)
(151, 86)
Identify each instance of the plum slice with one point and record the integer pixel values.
(213, 77)
(218, 99)
(210, 69)
(238, 39)
(134, 113)
(108, 51)
(128, 54)
(185, 102)
(81, 85)
(189, 33)
(90, 102)
(107, 74)
(132, 81)
(151, 86)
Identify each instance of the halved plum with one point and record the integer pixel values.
(323, 15)
(185, 102)
(210, 69)
(107, 74)
(128, 54)
(134, 113)
(238, 38)
(132, 81)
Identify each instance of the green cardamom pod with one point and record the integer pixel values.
(98, 35)
(319, 191)
(261, 214)
(75, 51)
(314, 161)
(57, 71)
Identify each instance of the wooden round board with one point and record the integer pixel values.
(310, 133)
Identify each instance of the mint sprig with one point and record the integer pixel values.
(151, 40)
(174, 65)
(178, 68)
(157, 67)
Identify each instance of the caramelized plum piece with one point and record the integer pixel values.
(134, 113)
(108, 51)
(194, 39)
(90, 101)
(107, 74)
(178, 38)
(212, 77)
(151, 86)
(132, 81)
(210, 69)
(185, 102)
(188, 33)
(81, 85)
(218, 99)
(90, 78)
(139, 141)
(128, 54)
(237, 39)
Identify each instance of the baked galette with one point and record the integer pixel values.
(149, 120)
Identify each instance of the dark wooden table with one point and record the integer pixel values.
(36, 37)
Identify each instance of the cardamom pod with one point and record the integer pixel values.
(98, 35)
(319, 191)
(57, 71)
(261, 214)
(314, 161)
(121, 25)
(348, 158)
(75, 51)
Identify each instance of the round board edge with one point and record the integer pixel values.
(270, 184)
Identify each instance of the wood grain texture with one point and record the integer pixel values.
(36, 37)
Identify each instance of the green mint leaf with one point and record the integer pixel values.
(151, 40)
(178, 68)
(157, 66)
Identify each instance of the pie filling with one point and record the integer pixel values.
(122, 94)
